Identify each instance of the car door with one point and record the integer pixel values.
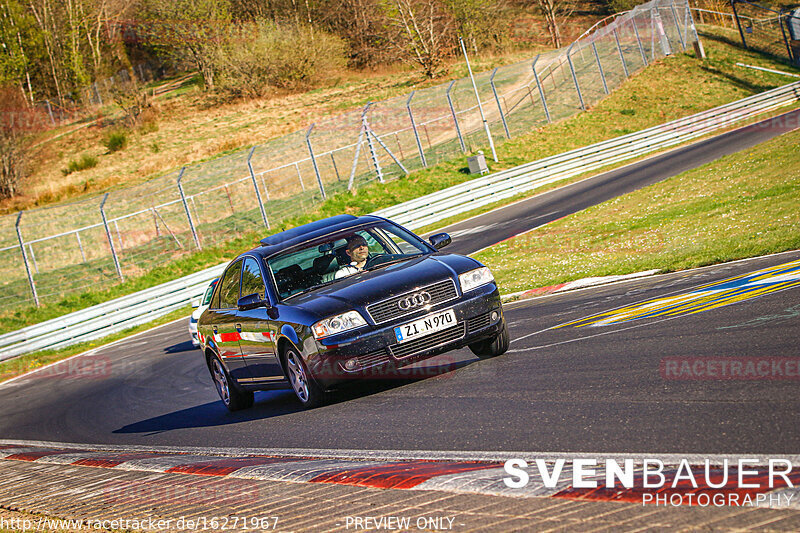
(258, 332)
(224, 323)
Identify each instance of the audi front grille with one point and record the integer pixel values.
(389, 309)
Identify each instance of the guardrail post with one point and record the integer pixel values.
(255, 186)
(496, 99)
(25, 260)
(188, 213)
(110, 238)
(416, 133)
(677, 25)
(621, 55)
(455, 118)
(600, 68)
(638, 40)
(314, 160)
(574, 76)
(478, 98)
(372, 153)
(541, 90)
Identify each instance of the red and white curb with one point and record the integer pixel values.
(460, 474)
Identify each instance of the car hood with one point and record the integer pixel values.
(359, 290)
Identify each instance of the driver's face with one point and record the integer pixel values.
(359, 253)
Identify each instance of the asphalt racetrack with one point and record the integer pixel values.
(596, 370)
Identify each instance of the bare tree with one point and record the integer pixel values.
(424, 33)
(190, 30)
(555, 12)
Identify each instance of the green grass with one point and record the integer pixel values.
(740, 206)
(32, 361)
(76, 165)
(639, 103)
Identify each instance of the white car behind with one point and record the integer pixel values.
(199, 307)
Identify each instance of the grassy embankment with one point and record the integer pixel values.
(743, 205)
(642, 102)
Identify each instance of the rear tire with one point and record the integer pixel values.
(234, 397)
(305, 388)
(493, 347)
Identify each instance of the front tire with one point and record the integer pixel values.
(493, 347)
(303, 384)
(234, 398)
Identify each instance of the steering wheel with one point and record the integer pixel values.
(377, 259)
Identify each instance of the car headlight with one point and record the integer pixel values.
(338, 324)
(475, 278)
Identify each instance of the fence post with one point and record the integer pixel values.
(314, 160)
(359, 142)
(416, 133)
(255, 186)
(25, 260)
(739, 24)
(541, 90)
(785, 40)
(335, 168)
(455, 118)
(677, 25)
(574, 76)
(639, 40)
(621, 55)
(188, 213)
(478, 98)
(299, 176)
(600, 68)
(372, 153)
(110, 238)
(50, 112)
(80, 245)
(496, 99)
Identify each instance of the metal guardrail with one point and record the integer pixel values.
(109, 317)
(482, 191)
(116, 315)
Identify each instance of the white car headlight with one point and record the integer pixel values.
(337, 324)
(475, 278)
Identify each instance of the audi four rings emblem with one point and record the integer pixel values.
(415, 300)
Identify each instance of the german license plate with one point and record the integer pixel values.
(425, 326)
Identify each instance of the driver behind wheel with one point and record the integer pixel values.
(358, 251)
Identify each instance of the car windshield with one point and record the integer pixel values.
(328, 261)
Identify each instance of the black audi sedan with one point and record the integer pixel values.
(341, 299)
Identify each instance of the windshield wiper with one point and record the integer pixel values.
(314, 287)
(393, 261)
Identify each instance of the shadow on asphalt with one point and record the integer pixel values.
(184, 346)
(271, 404)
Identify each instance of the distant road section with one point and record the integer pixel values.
(485, 230)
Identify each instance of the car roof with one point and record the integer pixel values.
(291, 237)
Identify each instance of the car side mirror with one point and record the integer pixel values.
(440, 240)
(195, 303)
(251, 301)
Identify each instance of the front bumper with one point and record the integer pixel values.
(379, 354)
(193, 334)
